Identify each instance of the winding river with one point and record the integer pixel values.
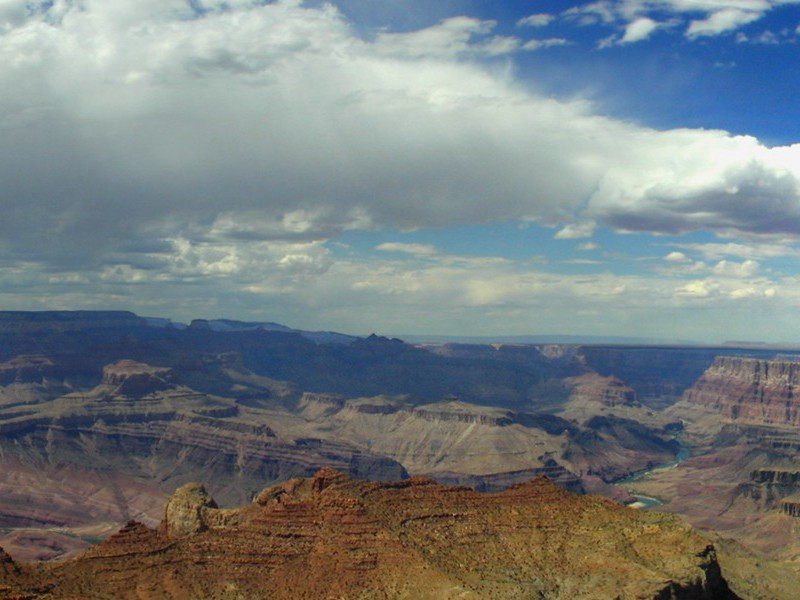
(642, 501)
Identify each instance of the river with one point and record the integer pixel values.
(642, 501)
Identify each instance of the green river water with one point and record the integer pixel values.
(649, 501)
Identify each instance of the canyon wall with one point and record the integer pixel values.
(750, 390)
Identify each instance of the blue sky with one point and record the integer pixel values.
(616, 167)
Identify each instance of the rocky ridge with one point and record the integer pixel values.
(331, 536)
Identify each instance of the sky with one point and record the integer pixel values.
(459, 167)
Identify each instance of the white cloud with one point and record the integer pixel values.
(639, 30)
(639, 18)
(146, 144)
(728, 268)
(698, 289)
(413, 249)
(677, 257)
(451, 37)
(267, 122)
(536, 20)
(589, 14)
(575, 231)
(722, 21)
(582, 261)
(587, 246)
(762, 251)
(545, 43)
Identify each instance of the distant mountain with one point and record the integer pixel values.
(542, 339)
(229, 325)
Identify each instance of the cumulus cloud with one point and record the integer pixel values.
(698, 289)
(575, 231)
(700, 18)
(638, 30)
(124, 126)
(721, 21)
(153, 143)
(536, 20)
(677, 257)
(728, 268)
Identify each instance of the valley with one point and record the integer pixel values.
(104, 415)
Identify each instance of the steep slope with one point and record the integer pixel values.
(83, 462)
(331, 536)
(743, 479)
(488, 447)
(750, 390)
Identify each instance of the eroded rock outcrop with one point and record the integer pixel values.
(608, 391)
(331, 536)
(185, 512)
(134, 379)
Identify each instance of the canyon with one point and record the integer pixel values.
(104, 415)
(743, 478)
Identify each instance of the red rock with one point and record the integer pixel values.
(750, 390)
(331, 536)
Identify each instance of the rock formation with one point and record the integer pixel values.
(134, 379)
(331, 536)
(791, 507)
(750, 390)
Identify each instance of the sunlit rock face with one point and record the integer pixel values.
(750, 390)
(330, 535)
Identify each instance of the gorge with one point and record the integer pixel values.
(103, 416)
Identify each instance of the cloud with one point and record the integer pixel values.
(413, 249)
(546, 43)
(727, 268)
(219, 151)
(698, 289)
(671, 187)
(722, 21)
(587, 246)
(536, 20)
(762, 251)
(638, 19)
(451, 37)
(639, 30)
(575, 231)
(127, 126)
(677, 257)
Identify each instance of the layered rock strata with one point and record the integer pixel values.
(750, 390)
(331, 536)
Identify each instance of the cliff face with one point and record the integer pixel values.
(750, 390)
(658, 374)
(331, 536)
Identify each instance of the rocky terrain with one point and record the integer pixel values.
(743, 479)
(408, 539)
(104, 414)
(79, 464)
